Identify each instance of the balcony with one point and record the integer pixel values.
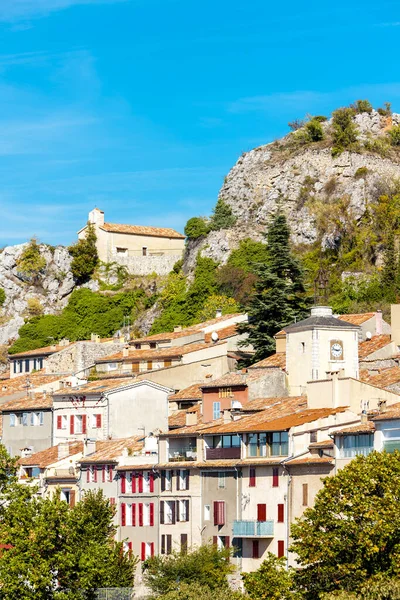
(253, 529)
(182, 454)
(221, 453)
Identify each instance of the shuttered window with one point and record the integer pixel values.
(261, 512)
(98, 421)
(184, 543)
(71, 425)
(256, 549)
(151, 514)
(275, 477)
(252, 478)
(305, 494)
(281, 548)
(123, 514)
(281, 513)
(140, 482)
(123, 483)
(59, 422)
(219, 513)
(140, 514)
(84, 423)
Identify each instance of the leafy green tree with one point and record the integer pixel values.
(2, 296)
(362, 106)
(390, 269)
(84, 255)
(353, 531)
(236, 283)
(314, 130)
(196, 591)
(271, 581)
(206, 566)
(222, 217)
(227, 306)
(394, 135)
(196, 227)
(31, 262)
(248, 255)
(344, 132)
(279, 295)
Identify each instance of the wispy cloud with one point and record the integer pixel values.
(13, 10)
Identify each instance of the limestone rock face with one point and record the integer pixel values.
(268, 175)
(51, 289)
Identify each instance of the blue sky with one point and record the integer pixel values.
(141, 106)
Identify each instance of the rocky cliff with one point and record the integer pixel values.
(293, 175)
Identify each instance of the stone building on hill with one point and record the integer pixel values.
(141, 249)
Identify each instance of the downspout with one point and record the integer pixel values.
(288, 511)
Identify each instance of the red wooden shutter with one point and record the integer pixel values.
(151, 514)
(98, 421)
(59, 422)
(227, 541)
(163, 481)
(84, 423)
(151, 548)
(123, 483)
(222, 513)
(140, 481)
(151, 481)
(88, 475)
(112, 501)
(215, 539)
(162, 512)
(178, 479)
(123, 514)
(252, 479)
(71, 424)
(261, 512)
(94, 473)
(130, 548)
(281, 548)
(275, 477)
(140, 514)
(256, 550)
(143, 551)
(72, 498)
(110, 473)
(134, 477)
(281, 513)
(133, 515)
(103, 473)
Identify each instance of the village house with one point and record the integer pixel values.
(142, 250)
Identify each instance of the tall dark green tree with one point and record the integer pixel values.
(389, 275)
(222, 217)
(279, 296)
(84, 256)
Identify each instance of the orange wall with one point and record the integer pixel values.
(212, 395)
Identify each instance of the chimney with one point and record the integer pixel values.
(364, 417)
(26, 452)
(53, 347)
(96, 217)
(378, 322)
(89, 447)
(218, 313)
(178, 328)
(382, 406)
(63, 450)
(227, 415)
(191, 419)
(64, 342)
(125, 352)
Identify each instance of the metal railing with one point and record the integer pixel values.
(181, 454)
(253, 529)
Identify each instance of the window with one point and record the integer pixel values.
(167, 363)
(261, 512)
(148, 514)
(168, 512)
(184, 543)
(182, 482)
(281, 548)
(40, 363)
(226, 441)
(149, 365)
(166, 481)
(279, 443)
(27, 365)
(65, 495)
(24, 419)
(255, 549)
(216, 410)
(183, 510)
(109, 473)
(96, 421)
(13, 420)
(221, 479)
(281, 513)
(166, 544)
(302, 347)
(305, 494)
(34, 364)
(112, 366)
(275, 477)
(121, 250)
(207, 512)
(147, 550)
(353, 445)
(219, 513)
(14, 366)
(20, 363)
(225, 392)
(221, 541)
(153, 345)
(257, 444)
(144, 251)
(313, 437)
(252, 477)
(128, 515)
(391, 440)
(78, 423)
(37, 418)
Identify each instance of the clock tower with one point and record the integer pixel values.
(318, 346)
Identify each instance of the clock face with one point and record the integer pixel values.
(336, 350)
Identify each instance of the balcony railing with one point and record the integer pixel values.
(221, 453)
(253, 529)
(182, 454)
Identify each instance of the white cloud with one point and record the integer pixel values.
(14, 10)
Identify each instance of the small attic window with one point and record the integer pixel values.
(122, 250)
(144, 251)
(302, 347)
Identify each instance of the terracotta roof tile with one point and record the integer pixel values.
(275, 360)
(36, 401)
(391, 412)
(47, 350)
(275, 403)
(142, 230)
(96, 387)
(109, 450)
(310, 460)
(224, 333)
(367, 427)
(383, 379)
(20, 383)
(178, 418)
(358, 318)
(49, 456)
(166, 336)
(230, 379)
(192, 392)
(375, 343)
(321, 444)
(158, 353)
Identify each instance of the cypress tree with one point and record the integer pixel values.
(279, 295)
(390, 267)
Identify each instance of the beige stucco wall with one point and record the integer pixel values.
(347, 392)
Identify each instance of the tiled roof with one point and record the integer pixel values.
(383, 379)
(32, 402)
(178, 418)
(49, 456)
(159, 353)
(224, 333)
(192, 392)
(329, 322)
(375, 343)
(96, 387)
(230, 379)
(47, 350)
(166, 336)
(310, 460)
(357, 319)
(321, 444)
(20, 383)
(391, 412)
(275, 360)
(110, 450)
(142, 230)
(367, 427)
(215, 321)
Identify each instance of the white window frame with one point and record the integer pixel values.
(146, 514)
(112, 366)
(207, 512)
(128, 515)
(78, 424)
(147, 552)
(168, 512)
(64, 421)
(183, 516)
(146, 481)
(63, 495)
(221, 480)
(183, 479)
(13, 420)
(168, 481)
(25, 418)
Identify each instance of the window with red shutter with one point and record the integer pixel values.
(227, 541)
(275, 477)
(123, 483)
(59, 422)
(281, 513)
(140, 515)
(261, 512)
(133, 515)
(123, 514)
(281, 548)
(256, 549)
(103, 473)
(110, 473)
(215, 540)
(88, 475)
(140, 482)
(84, 423)
(71, 424)
(151, 481)
(94, 473)
(252, 478)
(133, 483)
(112, 501)
(143, 551)
(151, 548)
(130, 548)
(219, 513)
(98, 421)
(151, 514)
